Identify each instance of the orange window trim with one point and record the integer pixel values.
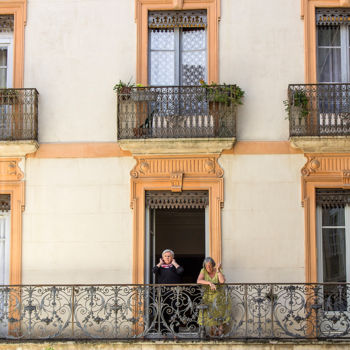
(11, 182)
(320, 171)
(19, 9)
(141, 17)
(308, 8)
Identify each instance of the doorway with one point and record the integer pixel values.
(179, 223)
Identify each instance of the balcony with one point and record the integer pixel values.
(258, 312)
(319, 117)
(18, 121)
(176, 119)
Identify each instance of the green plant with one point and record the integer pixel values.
(123, 88)
(299, 99)
(226, 94)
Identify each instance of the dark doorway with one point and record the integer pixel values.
(183, 231)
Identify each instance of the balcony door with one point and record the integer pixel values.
(333, 66)
(177, 48)
(333, 248)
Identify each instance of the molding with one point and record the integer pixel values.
(213, 16)
(19, 9)
(112, 149)
(308, 13)
(320, 171)
(11, 183)
(176, 146)
(158, 173)
(79, 150)
(318, 144)
(18, 148)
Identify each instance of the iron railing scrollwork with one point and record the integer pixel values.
(319, 109)
(234, 311)
(18, 114)
(173, 112)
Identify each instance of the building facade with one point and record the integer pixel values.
(94, 185)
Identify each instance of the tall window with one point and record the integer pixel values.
(177, 47)
(333, 45)
(333, 243)
(6, 51)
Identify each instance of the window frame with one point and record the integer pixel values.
(142, 7)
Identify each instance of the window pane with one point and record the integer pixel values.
(333, 217)
(3, 56)
(162, 39)
(162, 68)
(328, 36)
(329, 65)
(193, 67)
(3, 78)
(193, 39)
(334, 259)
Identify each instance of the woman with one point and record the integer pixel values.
(168, 271)
(217, 313)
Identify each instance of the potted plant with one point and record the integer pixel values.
(123, 89)
(229, 95)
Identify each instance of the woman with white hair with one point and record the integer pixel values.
(168, 271)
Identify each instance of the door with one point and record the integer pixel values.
(333, 247)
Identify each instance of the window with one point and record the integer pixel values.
(6, 51)
(177, 48)
(333, 44)
(333, 239)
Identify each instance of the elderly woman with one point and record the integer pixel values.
(168, 271)
(217, 313)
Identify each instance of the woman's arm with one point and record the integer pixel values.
(221, 276)
(201, 280)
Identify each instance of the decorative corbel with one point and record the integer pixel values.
(178, 4)
(176, 179)
(346, 178)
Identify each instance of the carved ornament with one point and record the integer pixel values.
(9, 170)
(176, 181)
(166, 167)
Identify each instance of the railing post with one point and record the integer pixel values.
(246, 309)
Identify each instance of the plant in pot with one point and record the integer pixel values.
(228, 95)
(298, 108)
(124, 89)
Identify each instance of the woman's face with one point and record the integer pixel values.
(167, 258)
(209, 267)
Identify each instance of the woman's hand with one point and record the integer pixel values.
(175, 264)
(219, 267)
(160, 262)
(212, 286)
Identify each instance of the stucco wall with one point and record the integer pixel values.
(75, 51)
(78, 222)
(263, 221)
(77, 225)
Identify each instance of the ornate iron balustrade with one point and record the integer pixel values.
(319, 109)
(235, 311)
(174, 112)
(18, 114)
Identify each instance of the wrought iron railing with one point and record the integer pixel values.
(18, 114)
(234, 311)
(319, 109)
(175, 112)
